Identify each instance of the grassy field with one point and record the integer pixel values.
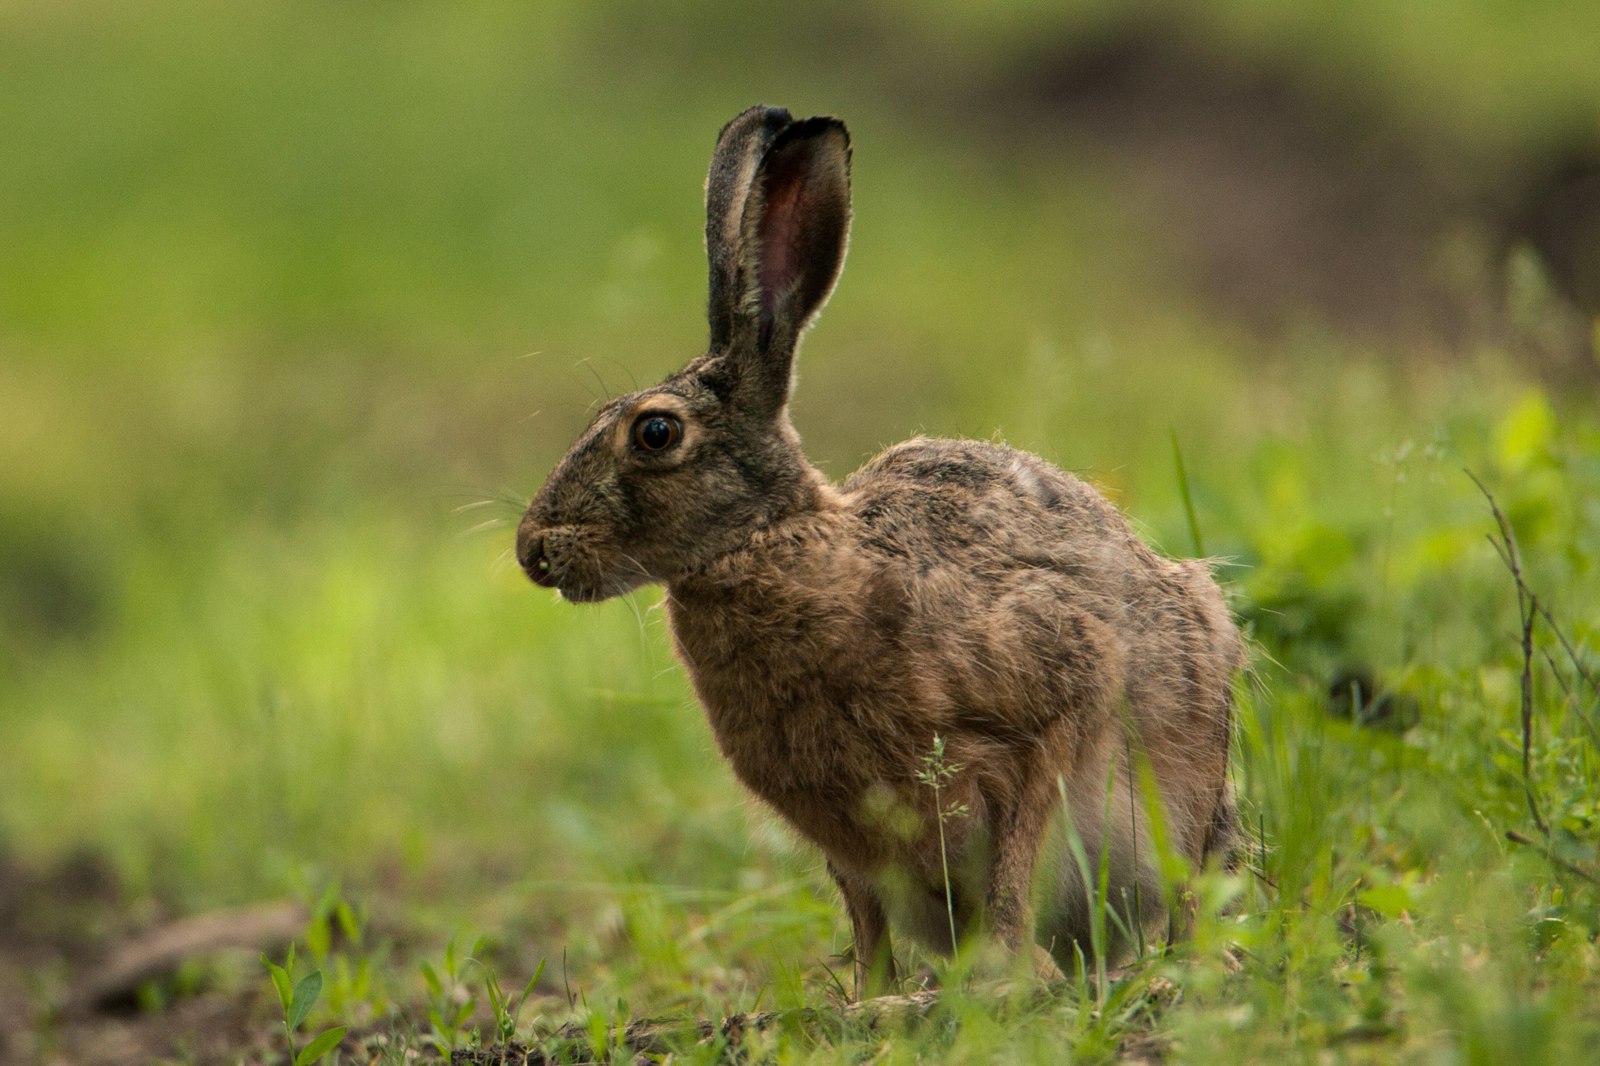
(299, 303)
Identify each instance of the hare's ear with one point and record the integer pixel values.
(741, 146)
(773, 271)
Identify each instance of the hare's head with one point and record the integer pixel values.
(666, 479)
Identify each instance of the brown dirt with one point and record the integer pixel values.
(61, 931)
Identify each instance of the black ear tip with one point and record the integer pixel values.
(782, 125)
(773, 116)
(813, 127)
(772, 119)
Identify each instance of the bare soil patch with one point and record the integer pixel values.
(90, 976)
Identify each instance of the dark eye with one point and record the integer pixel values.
(655, 433)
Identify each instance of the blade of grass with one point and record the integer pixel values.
(1188, 500)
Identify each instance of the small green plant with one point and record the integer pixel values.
(506, 1009)
(353, 986)
(450, 1005)
(332, 910)
(935, 774)
(297, 1001)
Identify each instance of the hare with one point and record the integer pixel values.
(951, 594)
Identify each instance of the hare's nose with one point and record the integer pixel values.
(531, 554)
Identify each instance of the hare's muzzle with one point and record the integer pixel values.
(531, 554)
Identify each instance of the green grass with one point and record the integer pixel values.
(297, 303)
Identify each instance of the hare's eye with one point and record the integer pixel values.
(656, 433)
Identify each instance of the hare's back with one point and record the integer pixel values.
(983, 522)
(984, 503)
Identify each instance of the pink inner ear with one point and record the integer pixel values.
(779, 232)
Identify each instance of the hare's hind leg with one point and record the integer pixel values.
(869, 930)
(1018, 831)
(1101, 826)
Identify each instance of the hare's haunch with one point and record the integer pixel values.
(949, 589)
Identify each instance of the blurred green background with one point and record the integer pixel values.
(300, 301)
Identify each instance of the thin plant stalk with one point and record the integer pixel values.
(935, 773)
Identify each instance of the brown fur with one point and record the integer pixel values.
(950, 588)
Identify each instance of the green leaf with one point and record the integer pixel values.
(319, 937)
(491, 985)
(280, 981)
(432, 977)
(1546, 931)
(527, 989)
(1526, 435)
(1391, 901)
(305, 997)
(319, 1047)
(328, 900)
(348, 923)
(450, 957)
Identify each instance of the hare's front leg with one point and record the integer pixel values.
(869, 928)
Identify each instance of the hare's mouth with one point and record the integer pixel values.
(570, 586)
(580, 592)
(586, 588)
(574, 591)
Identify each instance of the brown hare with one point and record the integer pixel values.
(950, 589)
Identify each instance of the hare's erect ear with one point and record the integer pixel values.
(741, 146)
(796, 223)
(778, 218)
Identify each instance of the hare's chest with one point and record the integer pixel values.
(783, 697)
(798, 708)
